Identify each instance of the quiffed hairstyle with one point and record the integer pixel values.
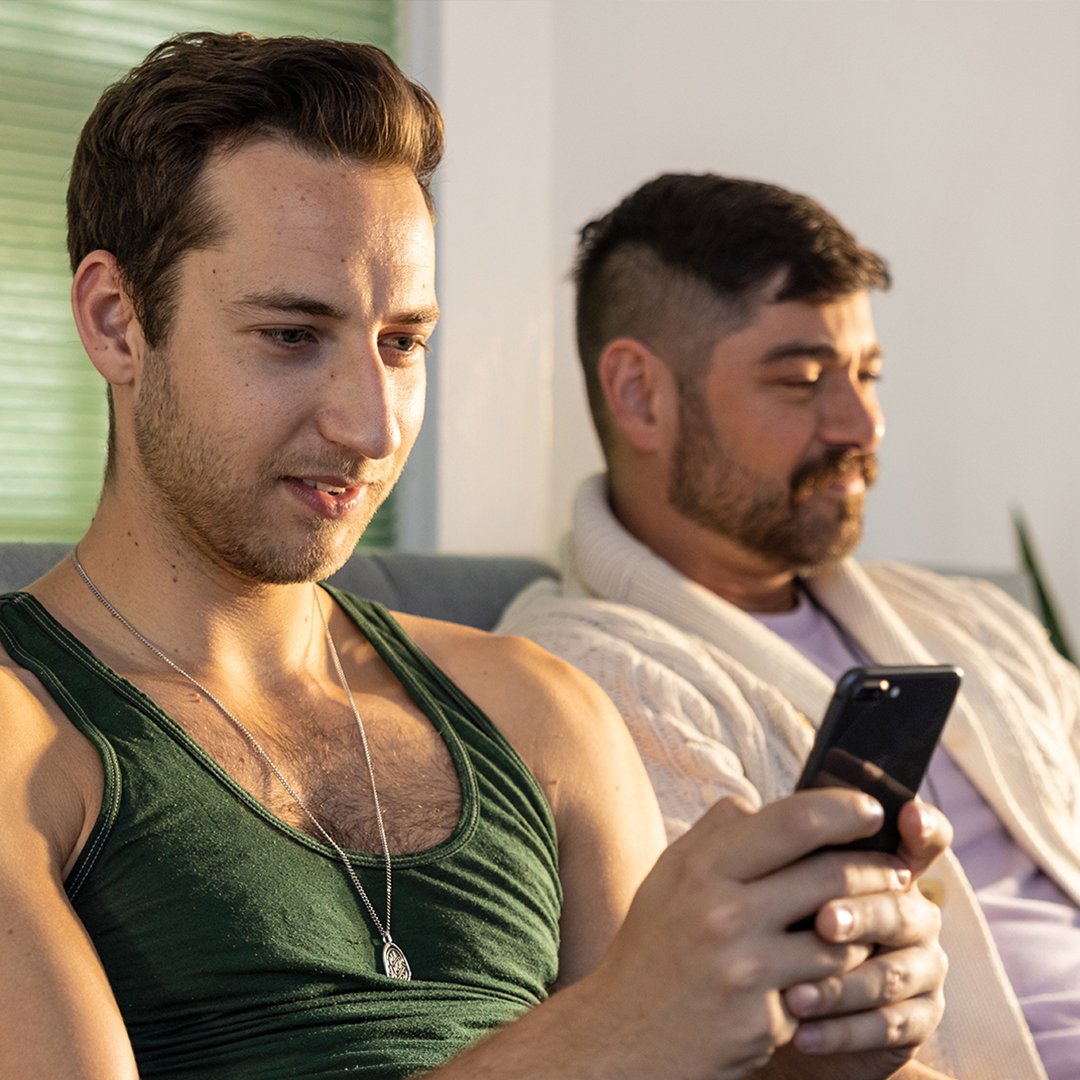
(681, 261)
(135, 182)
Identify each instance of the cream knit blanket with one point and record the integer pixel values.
(720, 705)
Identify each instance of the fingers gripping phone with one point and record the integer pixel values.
(879, 734)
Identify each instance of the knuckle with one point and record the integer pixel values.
(942, 959)
(804, 815)
(905, 929)
(895, 981)
(762, 1026)
(909, 1025)
(744, 971)
(908, 919)
(919, 920)
(737, 806)
(896, 1032)
(899, 1027)
(694, 872)
(726, 921)
(730, 811)
(832, 993)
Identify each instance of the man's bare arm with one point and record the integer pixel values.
(576, 744)
(58, 1017)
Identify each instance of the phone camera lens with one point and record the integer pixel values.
(872, 691)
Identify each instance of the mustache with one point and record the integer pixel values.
(833, 467)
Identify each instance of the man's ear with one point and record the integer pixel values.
(640, 391)
(105, 318)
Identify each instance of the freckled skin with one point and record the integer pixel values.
(211, 460)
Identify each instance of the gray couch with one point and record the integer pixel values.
(469, 589)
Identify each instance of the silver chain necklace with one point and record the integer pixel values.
(395, 964)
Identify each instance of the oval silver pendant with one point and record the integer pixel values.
(394, 963)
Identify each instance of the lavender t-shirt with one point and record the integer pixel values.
(1034, 924)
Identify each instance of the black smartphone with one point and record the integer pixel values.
(878, 734)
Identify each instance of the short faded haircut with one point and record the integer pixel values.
(683, 260)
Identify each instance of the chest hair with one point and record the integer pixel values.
(312, 737)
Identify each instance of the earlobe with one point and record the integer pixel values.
(105, 318)
(635, 382)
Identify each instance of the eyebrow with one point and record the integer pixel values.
(300, 304)
(289, 303)
(814, 351)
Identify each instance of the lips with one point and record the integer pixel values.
(328, 497)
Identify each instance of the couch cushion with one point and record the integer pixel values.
(469, 589)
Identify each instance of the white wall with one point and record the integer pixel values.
(946, 134)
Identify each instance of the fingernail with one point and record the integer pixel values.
(845, 920)
(903, 877)
(808, 1038)
(872, 808)
(803, 1000)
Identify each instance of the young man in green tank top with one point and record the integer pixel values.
(251, 828)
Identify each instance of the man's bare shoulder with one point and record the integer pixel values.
(563, 725)
(51, 778)
(23, 700)
(505, 666)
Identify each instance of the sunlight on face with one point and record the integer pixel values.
(776, 441)
(279, 414)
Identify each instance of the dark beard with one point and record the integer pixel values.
(767, 517)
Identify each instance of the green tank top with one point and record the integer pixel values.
(235, 944)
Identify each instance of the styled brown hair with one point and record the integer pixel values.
(681, 262)
(135, 181)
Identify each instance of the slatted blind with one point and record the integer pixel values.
(56, 56)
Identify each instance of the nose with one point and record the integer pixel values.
(851, 415)
(360, 405)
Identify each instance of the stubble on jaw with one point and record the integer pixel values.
(196, 495)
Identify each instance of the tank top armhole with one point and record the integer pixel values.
(110, 797)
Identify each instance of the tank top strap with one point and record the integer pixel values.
(411, 666)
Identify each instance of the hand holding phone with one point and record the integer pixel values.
(878, 735)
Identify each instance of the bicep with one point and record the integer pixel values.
(610, 834)
(58, 1016)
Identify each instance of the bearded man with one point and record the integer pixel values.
(731, 363)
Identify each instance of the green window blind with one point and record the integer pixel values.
(56, 56)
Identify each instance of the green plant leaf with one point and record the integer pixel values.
(1047, 608)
